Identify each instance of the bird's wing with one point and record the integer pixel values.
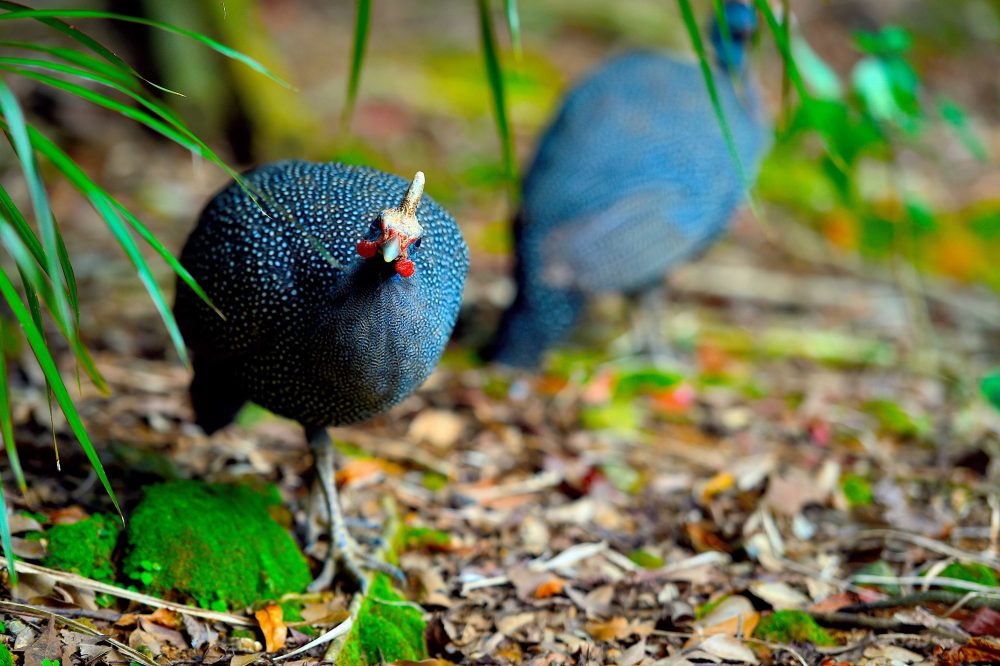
(627, 246)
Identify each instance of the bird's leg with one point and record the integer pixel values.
(343, 550)
(647, 312)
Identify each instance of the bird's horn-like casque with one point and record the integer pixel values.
(413, 193)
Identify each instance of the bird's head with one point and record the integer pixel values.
(396, 232)
(741, 19)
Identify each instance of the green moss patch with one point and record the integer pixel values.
(792, 626)
(389, 631)
(214, 543)
(85, 547)
(5, 657)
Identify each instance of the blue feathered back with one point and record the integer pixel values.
(632, 177)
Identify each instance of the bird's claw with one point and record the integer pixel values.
(346, 557)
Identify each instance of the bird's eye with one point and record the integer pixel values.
(416, 243)
(374, 230)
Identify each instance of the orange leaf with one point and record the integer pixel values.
(719, 483)
(272, 625)
(549, 588)
(618, 628)
(362, 469)
(165, 618)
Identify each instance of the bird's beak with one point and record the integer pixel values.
(391, 248)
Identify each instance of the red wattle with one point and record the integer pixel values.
(404, 267)
(367, 249)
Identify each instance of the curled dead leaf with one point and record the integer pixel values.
(272, 625)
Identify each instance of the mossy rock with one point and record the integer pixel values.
(214, 543)
(792, 626)
(85, 547)
(384, 631)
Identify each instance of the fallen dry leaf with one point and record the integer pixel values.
(618, 628)
(45, 647)
(549, 588)
(272, 625)
(245, 659)
(977, 650)
(728, 648)
(983, 622)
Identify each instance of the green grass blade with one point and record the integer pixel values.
(192, 144)
(5, 539)
(122, 78)
(173, 127)
(784, 46)
(13, 215)
(169, 258)
(694, 33)
(103, 204)
(83, 38)
(514, 25)
(362, 23)
(36, 283)
(160, 25)
(6, 418)
(48, 365)
(494, 74)
(12, 65)
(18, 135)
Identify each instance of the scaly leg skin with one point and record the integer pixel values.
(343, 549)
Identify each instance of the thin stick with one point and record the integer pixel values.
(79, 627)
(83, 583)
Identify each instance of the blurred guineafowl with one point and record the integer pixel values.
(633, 177)
(337, 304)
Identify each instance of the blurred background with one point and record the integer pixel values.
(889, 174)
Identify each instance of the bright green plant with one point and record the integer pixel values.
(43, 280)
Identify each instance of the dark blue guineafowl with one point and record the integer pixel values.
(338, 289)
(633, 177)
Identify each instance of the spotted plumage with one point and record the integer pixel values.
(632, 177)
(312, 330)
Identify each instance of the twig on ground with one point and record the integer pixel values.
(83, 583)
(570, 556)
(923, 581)
(922, 541)
(927, 597)
(79, 627)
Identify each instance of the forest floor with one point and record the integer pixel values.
(813, 482)
(809, 452)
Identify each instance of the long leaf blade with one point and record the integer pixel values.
(362, 23)
(86, 40)
(514, 25)
(48, 365)
(494, 74)
(7, 419)
(18, 130)
(694, 33)
(101, 202)
(167, 27)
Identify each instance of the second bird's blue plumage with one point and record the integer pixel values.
(632, 177)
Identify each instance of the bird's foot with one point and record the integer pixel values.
(346, 556)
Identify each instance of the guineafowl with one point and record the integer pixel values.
(632, 177)
(337, 288)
